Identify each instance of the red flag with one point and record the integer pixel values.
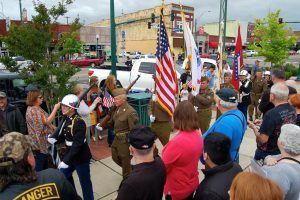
(238, 63)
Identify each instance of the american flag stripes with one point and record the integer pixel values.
(238, 63)
(166, 78)
(108, 100)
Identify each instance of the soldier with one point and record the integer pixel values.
(267, 77)
(122, 120)
(226, 84)
(244, 92)
(161, 121)
(77, 154)
(202, 103)
(259, 85)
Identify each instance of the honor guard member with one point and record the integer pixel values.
(161, 121)
(244, 92)
(226, 84)
(267, 77)
(77, 155)
(19, 180)
(259, 85)
(122, 120)
(202, 103)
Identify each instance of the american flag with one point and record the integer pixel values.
(166, 78)
(238, 63)
(108, 100)
(189, 83)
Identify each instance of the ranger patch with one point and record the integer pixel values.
(42, 192)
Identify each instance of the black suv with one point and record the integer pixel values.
(15, 89)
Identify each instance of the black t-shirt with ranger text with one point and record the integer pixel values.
(272, 122)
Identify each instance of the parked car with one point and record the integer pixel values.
(85, 61)
(125, 53)
(15, 88)
(251, 53)
(147, 56)
(134, 55)
(292, 52)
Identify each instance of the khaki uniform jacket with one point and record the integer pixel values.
(227, 85)
(124, 119)
(158, 112)
(203, 100)
(259, 86)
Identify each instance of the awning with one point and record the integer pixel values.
(213, 45)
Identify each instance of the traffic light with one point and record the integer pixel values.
(280, 20)
(149, 25)
(172, 16)
(152, 18)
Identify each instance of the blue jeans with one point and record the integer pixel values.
(110, 136)
(41, 161)
(83, 171)
(243, 108)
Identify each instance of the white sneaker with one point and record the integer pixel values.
(94, 139)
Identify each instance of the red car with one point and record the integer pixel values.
(84, 61)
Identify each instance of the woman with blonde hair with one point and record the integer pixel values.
(84, 110)
(251, 186)
(39, 124)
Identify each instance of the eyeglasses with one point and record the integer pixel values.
(40, 97)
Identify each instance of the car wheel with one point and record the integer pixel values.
(93, 65)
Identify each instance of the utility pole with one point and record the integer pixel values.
(223, 18)
(113, 38)
(67, 17)
(20, 3)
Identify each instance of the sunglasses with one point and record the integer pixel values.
(40, 97)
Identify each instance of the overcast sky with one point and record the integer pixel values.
(95, 10)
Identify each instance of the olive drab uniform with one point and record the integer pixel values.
(258, 87)
(223, 85)
(162, 126)
(123, 120)
(203, 102)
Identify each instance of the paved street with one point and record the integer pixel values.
(106, 175)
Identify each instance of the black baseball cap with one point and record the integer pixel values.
(227, 95)
(141, 137)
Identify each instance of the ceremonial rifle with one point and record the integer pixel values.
(112, 109)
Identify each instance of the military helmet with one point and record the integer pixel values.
(244, 73)
(71, 101)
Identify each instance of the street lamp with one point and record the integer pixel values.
(195, 36)
(97, 41)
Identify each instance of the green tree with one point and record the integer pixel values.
(34, 41)
(272, 39)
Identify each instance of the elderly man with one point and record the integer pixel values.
(11, 119)
(278, 76)
(18, 178)
(123, 120)
(231, 123)
(284, 168)
(148, 177)
(269, 131)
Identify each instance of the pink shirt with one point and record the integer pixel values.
(181, 156)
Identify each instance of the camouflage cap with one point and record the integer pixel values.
(118, 91)
(13, 147)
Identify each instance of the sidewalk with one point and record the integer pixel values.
(106, 175)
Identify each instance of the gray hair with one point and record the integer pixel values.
(290, 137)
(225, 104)
(280, 91)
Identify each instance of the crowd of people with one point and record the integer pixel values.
(264, 102)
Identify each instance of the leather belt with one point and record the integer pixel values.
(70, 143)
